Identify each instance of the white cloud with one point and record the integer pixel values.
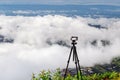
(31, 51)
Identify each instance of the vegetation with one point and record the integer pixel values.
(47, 75)
(99, 72)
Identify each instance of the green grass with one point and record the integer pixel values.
(47, 75)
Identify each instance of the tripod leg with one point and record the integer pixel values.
(75, 59)
(78, 62)
(80, 70)
(77, 69)
(68, 63)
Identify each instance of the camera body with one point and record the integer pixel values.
(74, 38)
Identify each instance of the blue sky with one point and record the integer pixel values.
(114, 2)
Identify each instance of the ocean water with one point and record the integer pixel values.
(37, 37)
(66, 10)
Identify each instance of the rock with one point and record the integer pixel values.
(97, 26)
(59, 42)
(113, 66)
(102, 42)
(1, 38)
(5, 40)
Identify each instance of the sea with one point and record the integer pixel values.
(65, 10)
(34, 38)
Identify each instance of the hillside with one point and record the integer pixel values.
(113, 66)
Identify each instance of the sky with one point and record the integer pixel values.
(116, 2)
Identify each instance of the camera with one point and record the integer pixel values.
(74, 38)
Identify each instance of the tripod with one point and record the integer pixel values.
(75, 58)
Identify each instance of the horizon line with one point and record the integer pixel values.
(58, 4)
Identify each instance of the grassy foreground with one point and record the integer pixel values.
(47, 75)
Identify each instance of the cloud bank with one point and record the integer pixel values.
(41, 42)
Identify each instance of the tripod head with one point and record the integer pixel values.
(74, 39)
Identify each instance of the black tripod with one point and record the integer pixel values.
(75, 58)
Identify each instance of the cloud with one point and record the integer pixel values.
(37, 45)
